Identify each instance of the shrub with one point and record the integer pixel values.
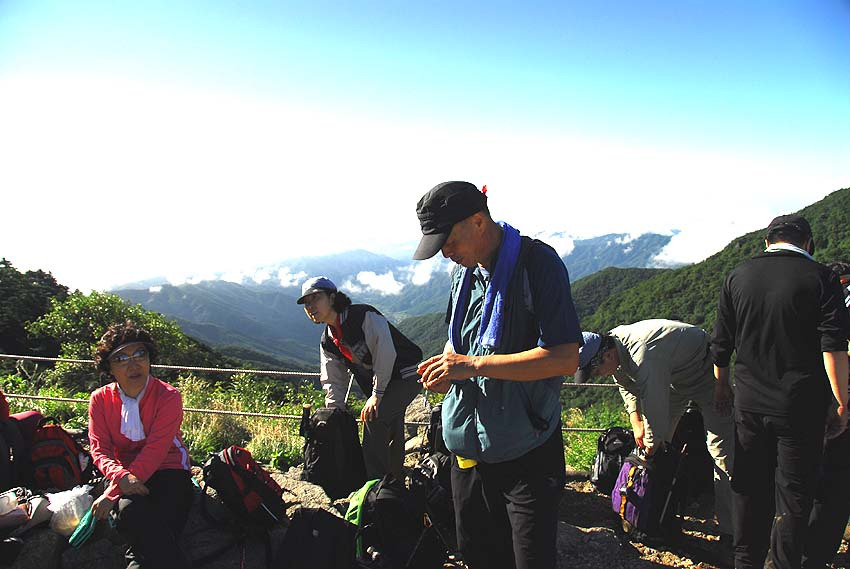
(580, 448)
(72, 415)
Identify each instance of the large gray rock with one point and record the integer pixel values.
(42, 550)
(419, 411)
(305, 494)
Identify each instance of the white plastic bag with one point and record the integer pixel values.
(68, 508)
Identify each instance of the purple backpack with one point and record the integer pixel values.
(646, 496)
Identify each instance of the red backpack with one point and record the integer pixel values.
(248, 492)
(245, 487)
(58, 461)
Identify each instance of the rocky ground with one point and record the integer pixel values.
(587, 539)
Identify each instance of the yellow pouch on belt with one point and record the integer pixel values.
(465, 463)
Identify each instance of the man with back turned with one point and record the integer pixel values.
(783, 313)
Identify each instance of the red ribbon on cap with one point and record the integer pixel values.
(484, 189)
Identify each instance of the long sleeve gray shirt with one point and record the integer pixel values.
(335, 376)
(657, 356)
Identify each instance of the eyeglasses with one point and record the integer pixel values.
(123, 359)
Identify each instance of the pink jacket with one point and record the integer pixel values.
(161, 412)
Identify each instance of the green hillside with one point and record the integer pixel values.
(264, 320)
(429, 332)
(593, 290)
(690, 293)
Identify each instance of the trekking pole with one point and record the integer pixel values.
(673, 483)
(304, 427)
(347, 391)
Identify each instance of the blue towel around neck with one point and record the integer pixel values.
(493, 311)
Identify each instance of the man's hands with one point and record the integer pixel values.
(438, 371)
(130, 485)
(370, 410)
(723, 397)
(637, 427)
(836, 423)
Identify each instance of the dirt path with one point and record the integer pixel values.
(699, 546)
(588, 538)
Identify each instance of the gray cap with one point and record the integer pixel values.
(316, 284)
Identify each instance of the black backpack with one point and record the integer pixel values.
(15, 465)
(333, 458)
(393, 528)
(698, 467)
(317, 539)
(431, 483)
(612, 448)
(434, 434)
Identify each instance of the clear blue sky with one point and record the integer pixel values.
(737, 109)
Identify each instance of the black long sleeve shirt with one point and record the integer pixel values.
(780, 311)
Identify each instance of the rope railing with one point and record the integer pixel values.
(162, 366)
(233, 370)
(245, 413)
(236, 370)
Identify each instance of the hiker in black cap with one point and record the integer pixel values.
(831, 507)
(784, 315)
(513, 335)
(359, 342)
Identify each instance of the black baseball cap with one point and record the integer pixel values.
(439, 209)
(792, 222)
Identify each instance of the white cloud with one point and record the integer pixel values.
(558, 240)
(419, 272)
(237, 277)
(287, 278)
(385, 284)
(700, 240)
(352, 287)
(176, 279)
(155, 289)
(260, 276)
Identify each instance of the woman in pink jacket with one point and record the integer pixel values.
(134, 430)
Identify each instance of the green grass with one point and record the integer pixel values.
(273, 441)
(580, 448)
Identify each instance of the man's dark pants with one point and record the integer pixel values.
(831, 507)
(773, 481)
(507, 512)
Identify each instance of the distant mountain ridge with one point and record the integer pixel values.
(259, 313)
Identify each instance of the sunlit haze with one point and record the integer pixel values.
(193, 138)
